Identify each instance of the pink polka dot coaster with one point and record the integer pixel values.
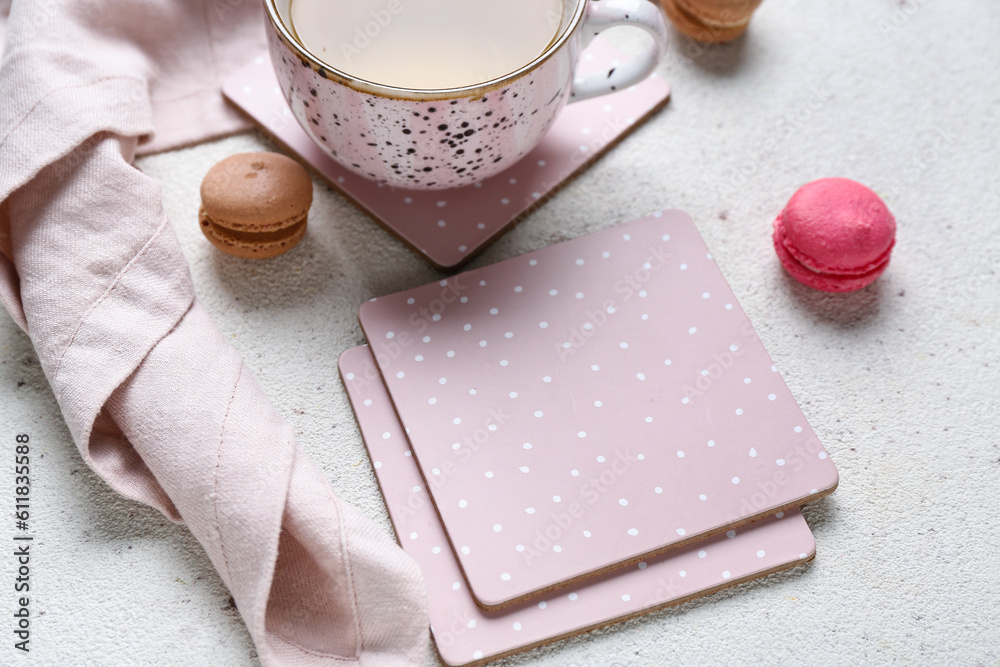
(449, 227)
(464, 633)
(589, 405)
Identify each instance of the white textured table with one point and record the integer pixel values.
(901, 380)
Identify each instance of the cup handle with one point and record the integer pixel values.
(608, 14)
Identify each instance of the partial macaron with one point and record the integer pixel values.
(710, 21)
(255, 205)
(835, 235)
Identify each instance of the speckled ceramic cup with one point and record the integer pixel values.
(437, 139)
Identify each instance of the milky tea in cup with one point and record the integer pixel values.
(437, 94)
(426, 44)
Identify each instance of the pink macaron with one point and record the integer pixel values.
(835, 235)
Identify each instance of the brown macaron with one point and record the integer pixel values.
(711, 21)
(255, 205)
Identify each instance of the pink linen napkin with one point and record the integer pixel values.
(156, 400)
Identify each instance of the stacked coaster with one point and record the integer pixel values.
(579, 435)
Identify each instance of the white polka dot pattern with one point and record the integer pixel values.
(620, 456)
(765, 545)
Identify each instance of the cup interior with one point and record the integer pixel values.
(279, 12)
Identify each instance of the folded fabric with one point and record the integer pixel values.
(157, 401)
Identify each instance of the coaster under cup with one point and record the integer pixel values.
(449, 227)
